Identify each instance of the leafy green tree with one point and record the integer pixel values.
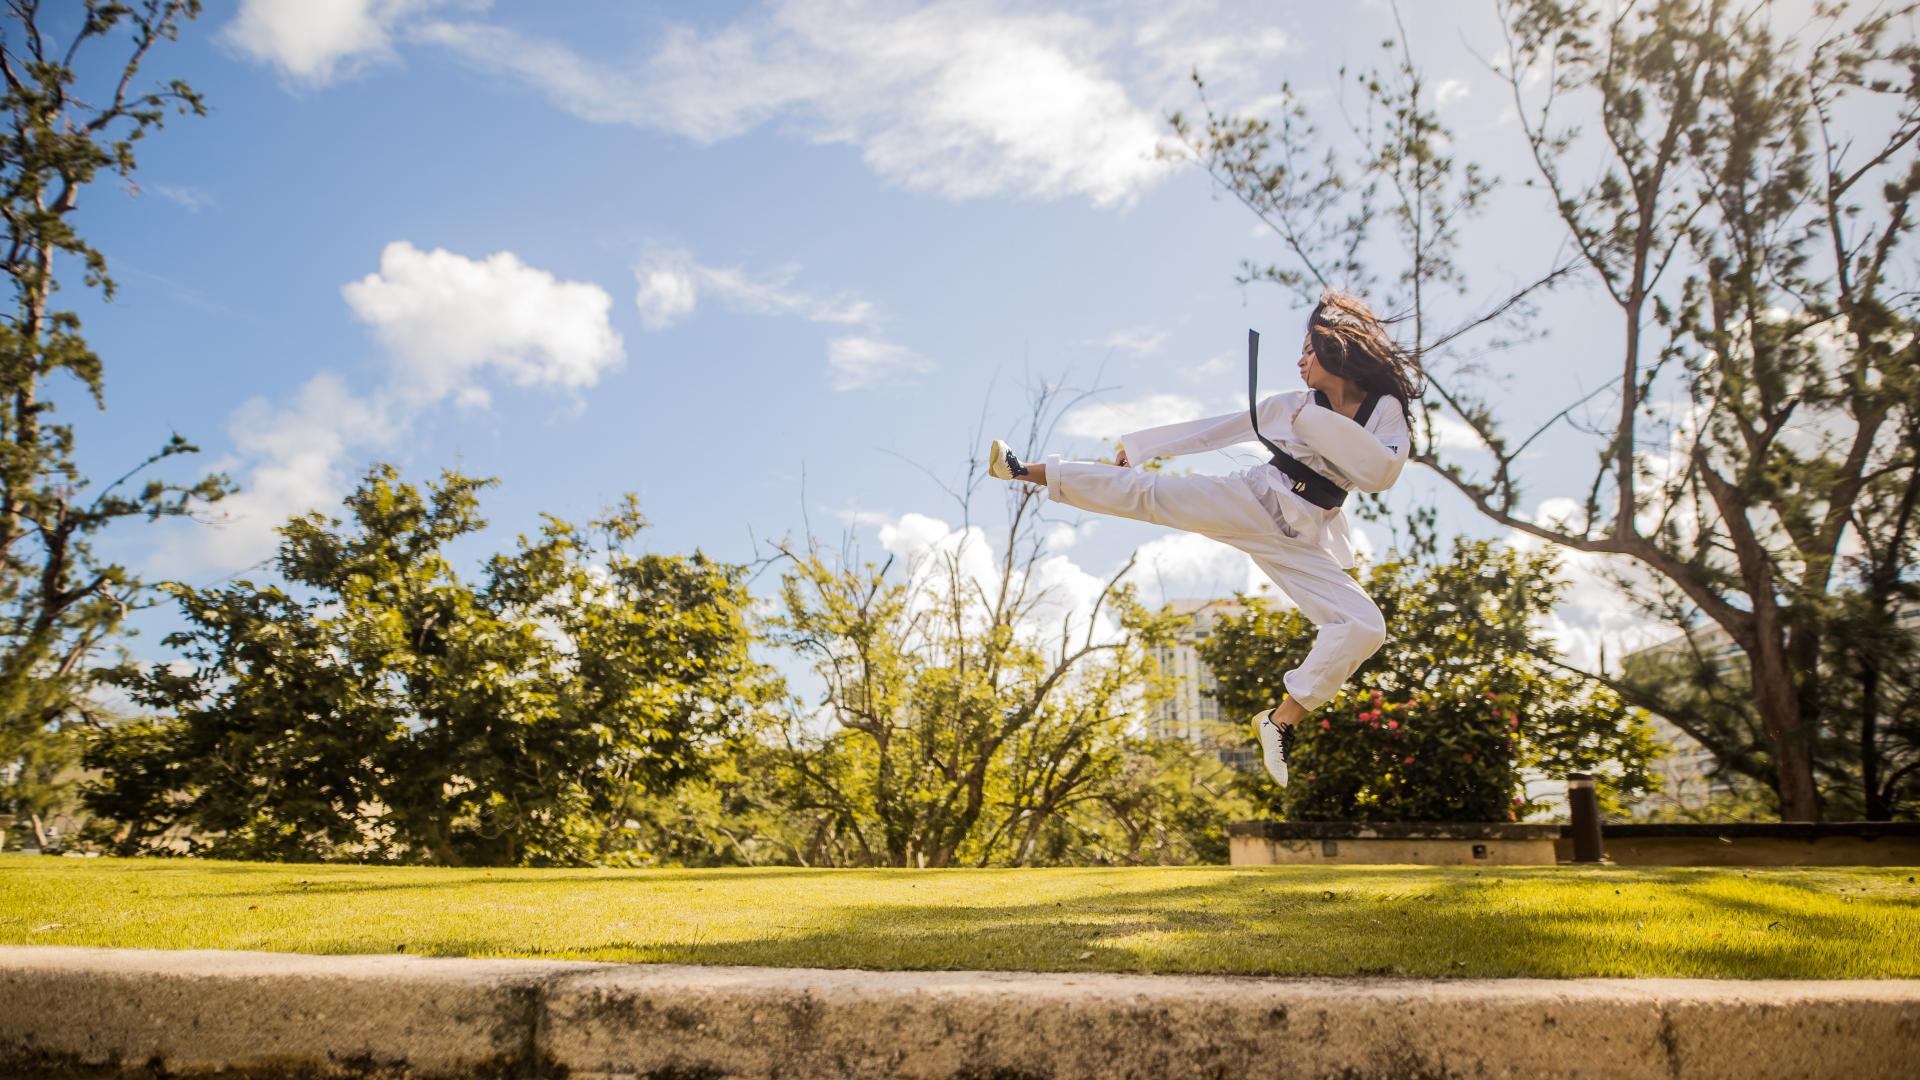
(66, 121)
(1440, 724)
(963, 708)
(1168, 804)
(1739, 189)
(385, 709)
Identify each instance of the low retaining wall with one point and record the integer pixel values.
(1831, 843)
(272, 1015)
(1826, 843)
(1279, 843)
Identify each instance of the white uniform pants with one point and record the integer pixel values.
(1225, 509)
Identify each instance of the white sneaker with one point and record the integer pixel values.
(1276, 744)
(1001, 464)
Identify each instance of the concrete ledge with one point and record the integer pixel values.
(201, 1011)
(1792, 843)
(1422, 843)
(260, 1014)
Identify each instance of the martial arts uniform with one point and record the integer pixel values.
(1304, 548)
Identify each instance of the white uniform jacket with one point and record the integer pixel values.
(1356, 458)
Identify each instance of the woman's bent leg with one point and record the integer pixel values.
(1349, 625)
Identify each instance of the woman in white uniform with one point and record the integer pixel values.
(1348, 431)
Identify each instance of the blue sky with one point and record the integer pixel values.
(698, 251)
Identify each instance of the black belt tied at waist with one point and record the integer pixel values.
(1305, 482)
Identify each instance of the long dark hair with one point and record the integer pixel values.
(1352, 342)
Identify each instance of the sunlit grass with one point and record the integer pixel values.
(1422, 921)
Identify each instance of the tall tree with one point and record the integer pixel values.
(385, 709)
(1742, 196)
(67, 121)
(965, 703)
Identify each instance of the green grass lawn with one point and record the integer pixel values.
(1420, 921)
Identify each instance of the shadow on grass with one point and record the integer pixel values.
(1395, 922)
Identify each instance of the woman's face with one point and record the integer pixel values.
(1311, 372)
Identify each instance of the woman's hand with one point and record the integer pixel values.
(1121, 458)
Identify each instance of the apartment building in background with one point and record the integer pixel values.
(1192, 713)
(1686, 773)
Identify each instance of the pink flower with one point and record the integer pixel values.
(1377, 695)
(1408, 760)
(1517, 800)
(1325, 726)
(1392, 724)
(1514, 722)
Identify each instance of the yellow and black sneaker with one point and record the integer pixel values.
(1001, 464)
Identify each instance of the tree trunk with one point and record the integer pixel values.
(1779, 705)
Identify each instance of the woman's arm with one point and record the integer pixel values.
(1211, 433)
(1372, 458)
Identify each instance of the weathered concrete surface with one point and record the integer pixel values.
(205, 1010)
(270, 1014)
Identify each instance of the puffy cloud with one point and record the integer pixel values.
(449, 323)
(446, 319)
(1449, 432)
(314, 41)
(1190, 566)
(666, 295)
(969, 99)
(936, 557)
(293, 458)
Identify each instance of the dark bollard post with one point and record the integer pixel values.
(1584, 805)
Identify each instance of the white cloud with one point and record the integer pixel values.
(858, 363)
(1108, 420)
(446, 319)
(1187, 565)
(315, 41)
(449, 324)
(1447, 91)
(936, 557)
(293, 458)
(666, 295)
(1449, 432)
(966, 99)
(189, 198)
(671, 285)
(1136, 341)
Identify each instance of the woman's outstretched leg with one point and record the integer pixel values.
(1221, 507)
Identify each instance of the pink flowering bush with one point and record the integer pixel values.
(1439, 724)
(1425, 757)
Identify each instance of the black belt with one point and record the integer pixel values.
(1306, 483)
